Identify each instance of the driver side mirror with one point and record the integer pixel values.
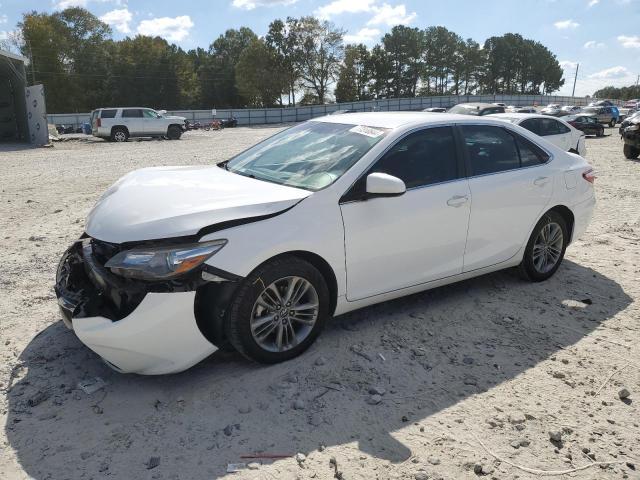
(384, 185)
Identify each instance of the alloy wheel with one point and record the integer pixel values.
(284, 314)
(120, 136)
(547, 248)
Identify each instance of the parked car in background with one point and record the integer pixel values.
(634, 103)
(230, 122)
(602, 103)
(571, 109)
(627, 121)
(525, 110)
(607, 115)
(323, 218)
(589, 125)
(435, 109)
(119, 124)
(65, 129)
(625, 112)
(631, 137)
(554, 130)
(479, 109)
(552, 109)
(500, 104)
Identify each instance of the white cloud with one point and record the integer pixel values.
(172, 29)
(3, 35)
(119, 19)
(62, 4)
(566, 25)
(568, 64)
(251, 4)
(3, 19)
(593, 44)
(611, 73)
(593, 3)
(629, 41)
(343, 6)
(364, 35)
(388, 15)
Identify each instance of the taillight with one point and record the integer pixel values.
(589, 175)
(99, 123)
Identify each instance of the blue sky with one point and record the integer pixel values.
(602, 35)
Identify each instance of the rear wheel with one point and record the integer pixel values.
(119, 134)
(630, 151)
(600, 132)
(174, 132)
(612, 123)
(546, 247)
(278, 310)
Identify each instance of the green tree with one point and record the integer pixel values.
(258, 77)
(355, 75)
(320, 53)
(622, 93)
(282, 38)
(403, 47)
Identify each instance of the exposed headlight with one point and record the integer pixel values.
(161, 263)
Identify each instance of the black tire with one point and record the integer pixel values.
(612, 123)
(119, 134)
(174, 132)
(240, 310)
(527, 268)
(630, 151)
(600, 133)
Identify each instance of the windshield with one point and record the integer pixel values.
(591, 109)
(312, 155)
(465, 109)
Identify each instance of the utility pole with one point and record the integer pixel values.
(33, 67)
(575, 79)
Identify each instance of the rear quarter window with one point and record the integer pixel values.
(108, 113)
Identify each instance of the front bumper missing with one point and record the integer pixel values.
(138, 327)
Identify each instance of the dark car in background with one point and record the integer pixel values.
(479, 109)
(588, 124)
(631, 137)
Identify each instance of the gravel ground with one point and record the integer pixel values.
(472, 379)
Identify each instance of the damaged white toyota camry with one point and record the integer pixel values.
(328, 216)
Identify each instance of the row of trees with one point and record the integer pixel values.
(619, 93)
(300, 60)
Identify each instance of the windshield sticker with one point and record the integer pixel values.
(368, 131)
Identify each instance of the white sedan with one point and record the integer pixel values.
(326, 217)
(554, 130)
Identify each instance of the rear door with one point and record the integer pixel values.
(133, 120)
(509, 190)
(556, 133)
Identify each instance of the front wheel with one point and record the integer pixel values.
(630, 151)
(278, 310)
(612, 123)
(174, 132)
(546, 247)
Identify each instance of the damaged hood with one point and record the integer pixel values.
(164, 202)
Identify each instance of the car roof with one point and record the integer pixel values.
(395, 120)
(477, 104)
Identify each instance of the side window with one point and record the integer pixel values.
(548, 126)
(131, 113)
(563, 128)
(491, 149)
(421, 158)
(108, 113)
(530, 153)
(150, 114)
(532, 124)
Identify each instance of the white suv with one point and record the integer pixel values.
(118, 124)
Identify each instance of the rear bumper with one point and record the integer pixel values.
(133, 328)
(582, 213)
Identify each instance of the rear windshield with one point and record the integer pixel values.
(108, 113)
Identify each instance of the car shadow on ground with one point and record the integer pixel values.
(428, 352)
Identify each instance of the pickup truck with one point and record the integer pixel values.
(121, 123)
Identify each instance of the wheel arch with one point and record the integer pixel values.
(325, 270)
(123, 127)
(566, 213)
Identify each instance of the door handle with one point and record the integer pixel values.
(541, 181)
(457, 200)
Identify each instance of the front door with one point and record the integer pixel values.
(396, 242)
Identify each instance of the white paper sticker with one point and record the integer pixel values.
(368, 131)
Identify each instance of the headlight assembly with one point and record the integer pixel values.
(162, 263)
(632, 128)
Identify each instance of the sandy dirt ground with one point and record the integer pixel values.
(471, 378)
